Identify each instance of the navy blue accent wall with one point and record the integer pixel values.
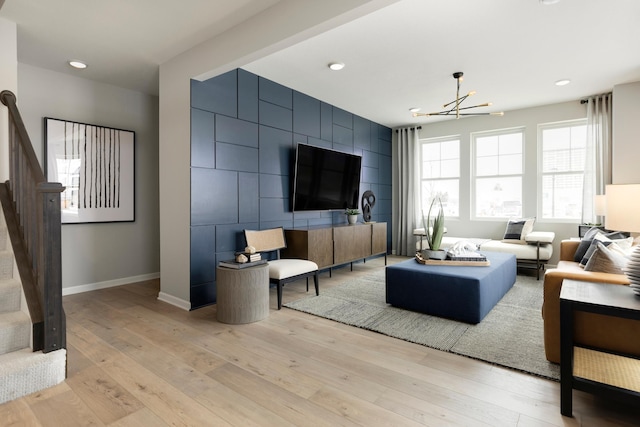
(244, 129)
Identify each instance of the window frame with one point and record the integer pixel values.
(541, 174)
(473, 171)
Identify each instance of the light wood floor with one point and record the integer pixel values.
(135, 361)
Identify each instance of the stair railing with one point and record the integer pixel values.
(32, 211)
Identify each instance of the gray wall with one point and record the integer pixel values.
(100, 255)
(626, 133)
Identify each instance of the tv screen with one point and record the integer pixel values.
(325, 179)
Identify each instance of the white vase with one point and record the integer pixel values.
(352, 219)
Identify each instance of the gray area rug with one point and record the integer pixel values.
(510, 335)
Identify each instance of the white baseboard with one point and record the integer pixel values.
(178, 302)
(108, 284)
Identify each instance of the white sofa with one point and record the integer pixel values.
(533, 255)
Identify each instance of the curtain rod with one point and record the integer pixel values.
(417, 127)
(585, 101)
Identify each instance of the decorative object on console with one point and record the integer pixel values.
(248, 256)
(367, 203)
(434, 230)
(623, 205)
(352, 215)
(455, 105)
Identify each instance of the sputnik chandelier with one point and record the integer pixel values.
(454, 107)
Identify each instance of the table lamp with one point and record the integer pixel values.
(600, 205)
(623, 214)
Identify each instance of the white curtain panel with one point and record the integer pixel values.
(597, 167)
(407, 188)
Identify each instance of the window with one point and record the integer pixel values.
(562, 156)
(440, 174)
(498, 171)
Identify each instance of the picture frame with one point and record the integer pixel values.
(96, 165)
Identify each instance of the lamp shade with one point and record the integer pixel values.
(623, 207)
(600, 205)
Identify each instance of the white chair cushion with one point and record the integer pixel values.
(282, 268)
(520, 251)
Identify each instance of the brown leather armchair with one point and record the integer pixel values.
(615, 334)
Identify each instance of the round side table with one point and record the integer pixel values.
(242, 294)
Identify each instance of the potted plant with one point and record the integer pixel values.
(434, 228)
(352, 215)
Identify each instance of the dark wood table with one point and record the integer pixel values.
(596, 371)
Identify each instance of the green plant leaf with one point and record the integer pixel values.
(435, 228)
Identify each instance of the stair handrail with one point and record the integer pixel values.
(32, 212)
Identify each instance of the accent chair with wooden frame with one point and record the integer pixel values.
(281, 271)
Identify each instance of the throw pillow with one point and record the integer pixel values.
(598, 238)
(622, 245)
(585, 243)
(517, 230)
(604, 260)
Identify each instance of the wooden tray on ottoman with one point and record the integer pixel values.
(452, 263)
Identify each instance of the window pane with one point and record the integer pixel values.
(431, 169)
(578, 159)
(450, 150)
(510, 143)
(511, 164)
(450, 168)
(562, 196)
(556, 161)
(487, 166)
(499, 197)
(431, 151)
(578, 136)
(556, 139)
(487, 146)
(447, 190)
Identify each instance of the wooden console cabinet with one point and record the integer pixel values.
(330, 246)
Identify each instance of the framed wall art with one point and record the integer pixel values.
(95, 164)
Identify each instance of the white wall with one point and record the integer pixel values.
(528, 118)
(8, 81)
(99, 255)
(626, 134)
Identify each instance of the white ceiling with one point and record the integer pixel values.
(400, 56)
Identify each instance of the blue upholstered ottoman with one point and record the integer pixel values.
(456, 292)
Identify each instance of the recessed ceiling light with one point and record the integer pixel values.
(78, 64)
(548, 2)
(335, 66)
(563, 82)
(414, 109)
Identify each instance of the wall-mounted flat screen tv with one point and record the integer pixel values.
(325, 179)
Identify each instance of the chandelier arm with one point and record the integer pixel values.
(459, 101)
(486, 104)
